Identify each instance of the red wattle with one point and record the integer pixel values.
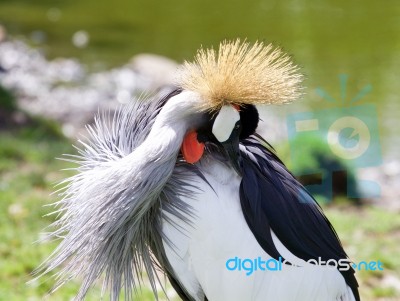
(191, 148)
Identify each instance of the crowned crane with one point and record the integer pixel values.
(183, 184)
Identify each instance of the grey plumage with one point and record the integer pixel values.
(111, 211)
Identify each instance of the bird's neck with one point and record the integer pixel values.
(164, 140)
(151, 164)
(155, 159)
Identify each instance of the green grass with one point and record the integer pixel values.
(28, 172)
(7, 100)
(370, 234)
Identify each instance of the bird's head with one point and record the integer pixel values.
(231, 125)
(223, 129)
(226, 86)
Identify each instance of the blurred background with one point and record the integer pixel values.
(62, 61)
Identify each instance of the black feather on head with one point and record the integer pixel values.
(249, 118)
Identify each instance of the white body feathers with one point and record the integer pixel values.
(199, 254)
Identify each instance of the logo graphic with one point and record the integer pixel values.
(349, 132)
(251, 265)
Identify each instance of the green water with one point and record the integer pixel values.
(326, 38)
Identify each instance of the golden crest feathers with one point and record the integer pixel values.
(241, 73)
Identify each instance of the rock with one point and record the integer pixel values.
(17, 211)
(80, 39)
(391, 281)
(157, 70)
(392, 169)
(385, 179)
(54, 14)
(38, 36)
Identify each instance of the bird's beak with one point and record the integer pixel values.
(231, 147)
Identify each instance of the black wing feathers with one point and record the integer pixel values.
(271, 198)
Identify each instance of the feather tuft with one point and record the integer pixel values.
(240, 73)
(109, 219)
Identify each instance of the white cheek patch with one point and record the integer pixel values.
(225, 122)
